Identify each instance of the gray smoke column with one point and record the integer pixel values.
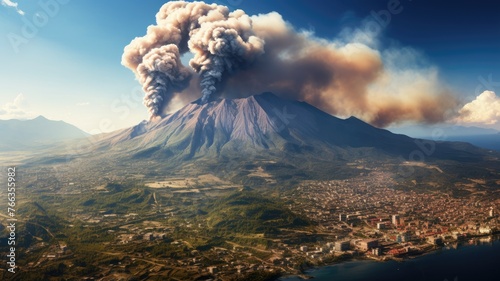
(221, 41)
(161, 73)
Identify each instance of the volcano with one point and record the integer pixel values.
(261, 139)
(268, 124)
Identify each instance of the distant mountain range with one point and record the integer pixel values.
(35, 133)
(262, 139)
(482, 137)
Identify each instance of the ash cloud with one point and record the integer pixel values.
(221, 41)
(236, 55)
(343, 78)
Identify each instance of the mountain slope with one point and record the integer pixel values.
(34, 133)
(263, 123)
(260, 141)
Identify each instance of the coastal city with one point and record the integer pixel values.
(241, 140)
(385, 222)
(366, 217)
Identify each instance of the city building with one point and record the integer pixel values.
(381, 225)
(148, 236)
(435, 240)
(342, 246)
(403, 237)
(395, 220)
(485, 230)
(369, 244)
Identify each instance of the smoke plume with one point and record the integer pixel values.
(221, 42)
(235, 55)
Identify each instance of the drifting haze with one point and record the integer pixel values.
(237, 56)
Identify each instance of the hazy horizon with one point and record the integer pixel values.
(70, 53)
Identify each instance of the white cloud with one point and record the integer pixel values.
(11, 4)
(15, 109)
(485, 109)
(85, 103)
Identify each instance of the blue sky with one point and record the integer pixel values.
(61, 59)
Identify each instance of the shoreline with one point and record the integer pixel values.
(304, 276)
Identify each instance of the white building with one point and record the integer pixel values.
(395, 220)
(485, 230)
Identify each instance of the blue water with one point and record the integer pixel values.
(470, 262)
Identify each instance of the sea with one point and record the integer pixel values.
(473, 260)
